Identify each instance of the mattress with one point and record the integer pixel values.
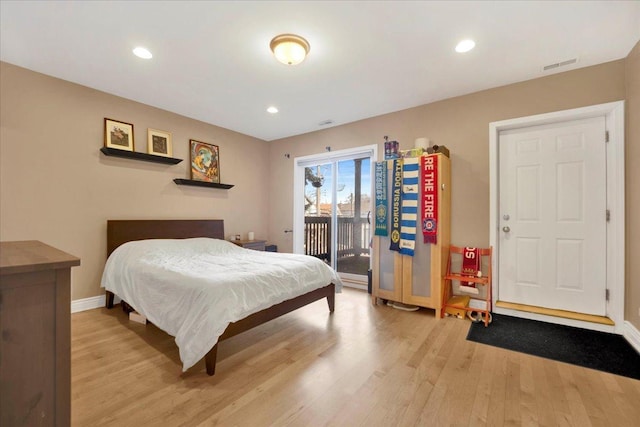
(194, 288)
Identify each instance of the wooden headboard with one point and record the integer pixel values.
(123, 231)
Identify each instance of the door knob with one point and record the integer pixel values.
(506, 229)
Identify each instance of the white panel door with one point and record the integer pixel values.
(552, 209)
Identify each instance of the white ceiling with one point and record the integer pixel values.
(212, 60)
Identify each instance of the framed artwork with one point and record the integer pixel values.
(205, 162)
(159, 143)
(118, 135)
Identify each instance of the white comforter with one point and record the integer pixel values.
(193, 288)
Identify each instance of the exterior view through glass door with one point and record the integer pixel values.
(353, 209)
(337, 209)
(318, 211)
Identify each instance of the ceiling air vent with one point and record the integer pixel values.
(325, 122)
(559, 64)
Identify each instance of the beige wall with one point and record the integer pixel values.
(462, 124)
(57, 187)
(632, 159)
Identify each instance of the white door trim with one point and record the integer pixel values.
(614, 118)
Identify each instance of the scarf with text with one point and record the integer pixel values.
(471, 268)
(395, 205)
(381, 199)
(429, 200)
(410, 188)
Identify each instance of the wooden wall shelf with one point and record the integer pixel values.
(195, 183)
(139, 156)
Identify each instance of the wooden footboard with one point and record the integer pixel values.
(257, 319)
(268, 314)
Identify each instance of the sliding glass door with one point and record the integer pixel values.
(353, 209)
(332, 210)
(318, 211)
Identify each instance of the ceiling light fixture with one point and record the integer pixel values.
(289, 48)
(465, 46)
(142, 52)
(272, 110)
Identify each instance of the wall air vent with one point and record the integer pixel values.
(560, 64)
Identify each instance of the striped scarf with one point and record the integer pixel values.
(410, 188)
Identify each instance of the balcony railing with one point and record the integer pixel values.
(352, 239)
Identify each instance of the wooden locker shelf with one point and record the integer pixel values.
(484, 282)
(403, 265)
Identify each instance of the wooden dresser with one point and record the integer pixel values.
(35, 334)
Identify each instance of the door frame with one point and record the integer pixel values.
(615, 240)
(299, 163)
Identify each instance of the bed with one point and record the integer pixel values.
(195, 237)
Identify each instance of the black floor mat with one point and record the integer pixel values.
(591, 349)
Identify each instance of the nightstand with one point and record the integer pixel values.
(257, 245)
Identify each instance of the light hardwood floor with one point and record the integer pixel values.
(362, 365)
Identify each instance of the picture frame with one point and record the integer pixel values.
(118, 135)
(205, 161)
(159, 143)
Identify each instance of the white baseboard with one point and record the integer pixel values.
(632, 335)
(348, 284)
(629, 331)
(87, 303)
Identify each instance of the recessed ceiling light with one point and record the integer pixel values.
(142, 52)
(272, 110)
(465, 46)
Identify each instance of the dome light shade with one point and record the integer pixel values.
(289, 48)
(465, 46)
(142, 52)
